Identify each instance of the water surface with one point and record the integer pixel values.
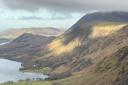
(9, 71)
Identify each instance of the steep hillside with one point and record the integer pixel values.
(72, 52)
(109, 64)
(14, 33)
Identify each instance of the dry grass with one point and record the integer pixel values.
(105, 30)
(58, 47)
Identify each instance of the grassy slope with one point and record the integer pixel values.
(109, 66)
(29, 83)
(71, 50)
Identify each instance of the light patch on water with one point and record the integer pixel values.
(4, 43)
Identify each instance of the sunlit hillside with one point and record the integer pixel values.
(58, 47)
(105, 30)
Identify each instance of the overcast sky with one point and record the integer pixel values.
(51, 13)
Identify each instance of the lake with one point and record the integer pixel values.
(9, 71)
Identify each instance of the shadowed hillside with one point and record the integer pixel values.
(25, 48)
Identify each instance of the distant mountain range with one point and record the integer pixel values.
(14, 33)
(94, 51)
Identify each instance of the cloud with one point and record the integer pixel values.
(53, 17)
(31, 18)
(68, 5)
(41, 18)
(36, 15)
(1, 11)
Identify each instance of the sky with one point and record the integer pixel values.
(51, 13)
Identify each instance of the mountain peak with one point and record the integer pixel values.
(106, 16)
(86, 23)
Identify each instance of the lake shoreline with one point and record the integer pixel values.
(9, 71)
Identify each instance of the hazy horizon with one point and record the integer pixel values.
(47, 13)
(40, 17)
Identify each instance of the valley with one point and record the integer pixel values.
(94, 51)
